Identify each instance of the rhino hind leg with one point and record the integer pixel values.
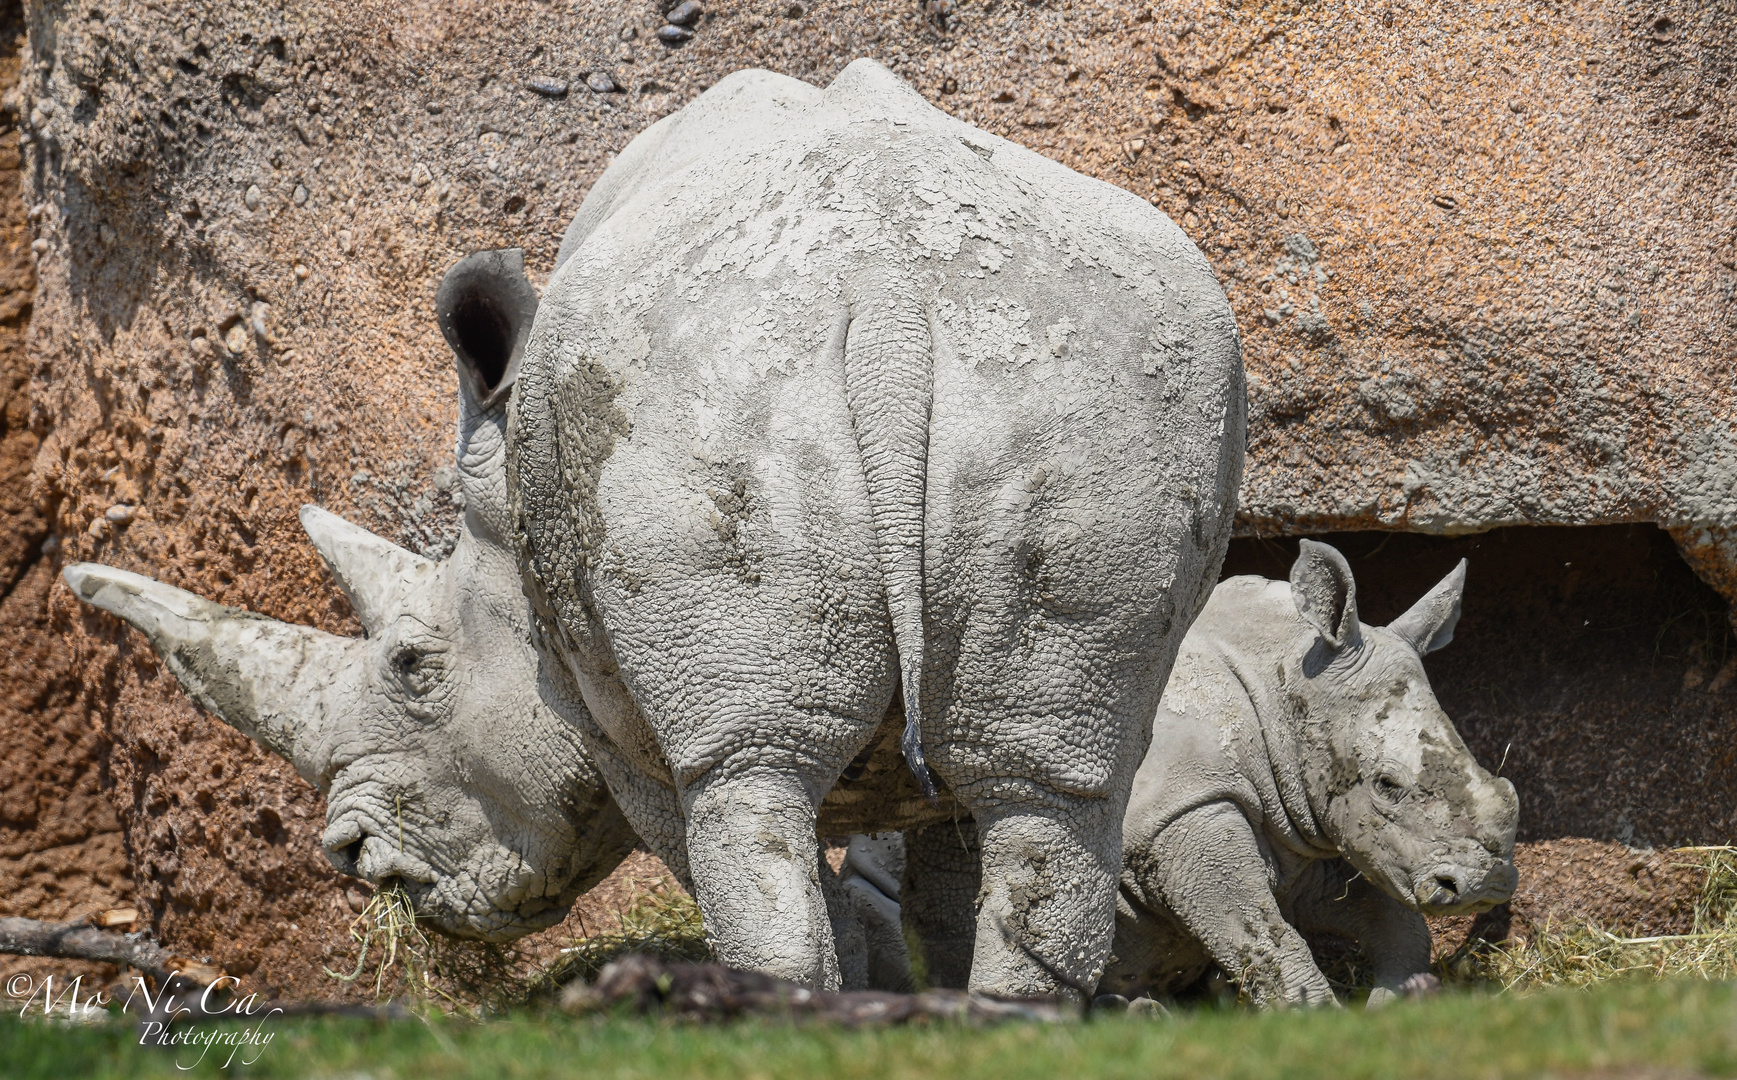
(943, 873)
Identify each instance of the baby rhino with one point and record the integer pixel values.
(1302, 777)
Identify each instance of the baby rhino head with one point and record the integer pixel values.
(448, 767)
(1389, 778)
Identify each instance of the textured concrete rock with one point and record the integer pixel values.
(1522, 213)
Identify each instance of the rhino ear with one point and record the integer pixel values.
(1430, 623)
(274, 681)
(485, 306)
(1326, 594)
(374, 573)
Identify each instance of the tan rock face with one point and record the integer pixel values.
(1482, 261)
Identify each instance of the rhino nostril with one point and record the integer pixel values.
(1446, 889)
(352, 853)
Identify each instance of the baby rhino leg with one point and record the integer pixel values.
(1208, 869)
(1338, 900)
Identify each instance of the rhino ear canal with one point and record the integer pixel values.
(485, 306)
(1430, 623)
(1326, 594)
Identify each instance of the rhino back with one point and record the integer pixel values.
(683, 445)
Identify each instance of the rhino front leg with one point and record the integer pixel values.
(1338, 900)
(753, 855)
(1208, 869)
(943, 873)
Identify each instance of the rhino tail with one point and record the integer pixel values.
(888, 386)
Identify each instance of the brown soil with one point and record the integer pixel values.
(61, 854)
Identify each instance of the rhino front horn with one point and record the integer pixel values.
(272, 681)
(485, 306)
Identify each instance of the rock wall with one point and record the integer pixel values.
(1482, 258)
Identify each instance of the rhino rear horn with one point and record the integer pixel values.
(374, 573)
(268, 679)
(1430, 623)
(485, 306)
(1326, 594)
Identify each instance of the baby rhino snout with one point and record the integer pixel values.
(1454, 889)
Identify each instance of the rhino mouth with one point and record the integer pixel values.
(1456, 890)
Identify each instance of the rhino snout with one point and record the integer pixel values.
(353, 851)
(1450, 890)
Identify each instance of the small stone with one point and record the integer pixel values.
(302, 272)
(252, 197)
(299, 196)
(685, 13)
(1148, 1008)
(549, 88)
(235, 339)
(1447, 202)
(600, 83)
(628, 33)
(673, 35)
(99, 528)
(419, 175)
(355, 899)
(433, 108)
(39, 245)
(120, 514)
(949, 86)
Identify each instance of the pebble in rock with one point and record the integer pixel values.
(600, 83)
(251, 199)
(120, 513)
(549, 88)
(685, 13)
(673, 34)
(299, 196)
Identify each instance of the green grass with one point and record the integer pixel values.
(1671, 1027)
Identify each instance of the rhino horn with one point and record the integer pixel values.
(374, 573)
(270, 680)
(1430, 623)
(1326, 594)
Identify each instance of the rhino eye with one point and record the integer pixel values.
(1388, 789)
(416, 669)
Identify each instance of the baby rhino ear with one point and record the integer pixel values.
(485, 306)
(1430, 623)
(1325, 594)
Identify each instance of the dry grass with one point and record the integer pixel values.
(661, 920)
(429, 971)
(1583, 953)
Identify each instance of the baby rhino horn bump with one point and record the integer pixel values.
(268, 679)
(1430, 623)
(374, 573)
(1325, 593)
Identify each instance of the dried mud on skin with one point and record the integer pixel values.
(1495, 247)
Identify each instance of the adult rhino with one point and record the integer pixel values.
(1302, 778)
(844, 428)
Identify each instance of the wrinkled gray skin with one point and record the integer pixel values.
(448, 763)
(1302, 777)
(841, 418)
